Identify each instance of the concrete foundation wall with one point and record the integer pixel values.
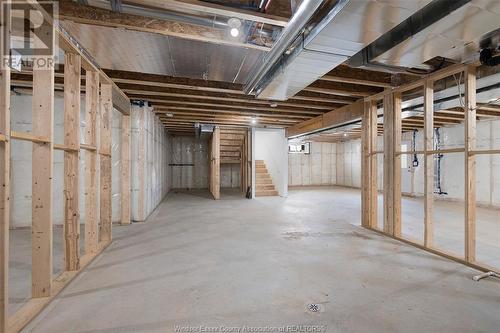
(190, 159)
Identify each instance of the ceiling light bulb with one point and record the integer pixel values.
(235, 32)
(254, 120)
(273, 105)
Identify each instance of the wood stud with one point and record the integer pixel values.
(71, 227)
(91, 172)
(470, 163)
(4, 172)
(106, 108)
(42, 166)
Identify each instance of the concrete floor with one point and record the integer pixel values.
(259, 263)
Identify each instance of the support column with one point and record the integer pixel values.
(428, 163)
(72, 68)
(91, 111)
(470, 164)
(4, 171)
(397, 163)
(392, 164)
(42, 159)
(125, 162)
(365, 166)
(388, 164)
(373, 163)
(215, 164)
(106, 107)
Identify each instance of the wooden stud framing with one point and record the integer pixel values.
(91, 111)
(42, 161)
(428, 163)
(4, 172)
(125, 179)
(470, 163)
(373, 184)
(369, 165)
(397, 163)
(215, 163)
(388, 164)
(141, 160)
(72, 68)
(392, 164)
(365, 166)
(106, 108)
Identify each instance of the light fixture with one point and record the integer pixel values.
(254, 120)
(273, 104)
(234, 25)
(345, 133)
(169, 115)
(235, 32)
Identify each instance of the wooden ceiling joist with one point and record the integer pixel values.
(72, 11)
(203, 8)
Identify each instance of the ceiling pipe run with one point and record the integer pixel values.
(294, 28)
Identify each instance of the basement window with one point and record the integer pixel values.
(303, 148)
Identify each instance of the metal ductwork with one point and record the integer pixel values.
(294, 28)
(203, 130)
(339, 30)
(455, 30)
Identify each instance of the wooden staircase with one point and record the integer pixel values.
(263, 181)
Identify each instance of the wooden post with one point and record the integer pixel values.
(428, 163)
(72, 68)
(106, 107)
(365, 166)
(42, 160)
(397, 164)
(388, 164)
(470, 164)
(215, 164)
(125, 162)
(91, 111)
(249, 159)
(141, 161)
(4, 170)
(373, 186)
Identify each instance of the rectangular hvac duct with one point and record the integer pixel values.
(346, 29)
(455, 37)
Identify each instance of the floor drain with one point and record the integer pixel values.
(313, 307)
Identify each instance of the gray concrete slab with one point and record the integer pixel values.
(259, 263)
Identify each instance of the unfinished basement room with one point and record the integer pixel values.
(279, 166)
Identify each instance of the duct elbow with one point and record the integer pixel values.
(487, 58)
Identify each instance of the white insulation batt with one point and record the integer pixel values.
(189, 162)
(21, 166)
(340, 164)
(150, 162)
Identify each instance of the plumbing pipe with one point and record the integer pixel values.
(485, 275)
